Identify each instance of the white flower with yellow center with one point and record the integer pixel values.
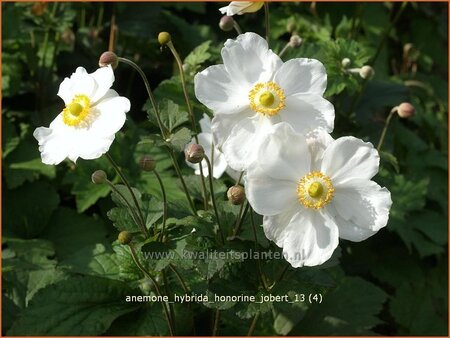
(87, 125)
(216, 157)
(253, 90)
(241, 7)
(313, 192)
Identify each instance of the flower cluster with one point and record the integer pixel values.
(271, 121)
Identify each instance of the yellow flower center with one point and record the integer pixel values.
(76, 112)
(267, 98)
(315, 190)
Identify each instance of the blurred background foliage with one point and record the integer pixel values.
(58, 227)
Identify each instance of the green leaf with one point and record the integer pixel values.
(171, 116)
(93, 260)
(150, 321)
(198, 56)
(350, 309)
(71, 231)
(391, 159)
(79, 306)
(179, 139)
(29, 217)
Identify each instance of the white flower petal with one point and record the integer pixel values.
(53, 145)
(318, 140)
(216, 90)
(284, 154)
(241, 147)
(348, 157)
(205, 124)
(306, 112)
(310, 238)
(111, 111)
(302, 76)
(90, 146)
(241, 7)
(275, 226)
(363, 202)
(104, 78)
(249, 60)
(268, 196)
(222, 124)
(79, 83)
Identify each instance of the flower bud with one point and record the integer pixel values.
(236, 194)
(39, 8)
(226, 23)
(405, 110)
(194, 153)
(366, 72)
(407, 48)
(346, 62)
(108, 58)
(164, 38)
(295, 41)
(147, 163)
(124, 237)
(99, 177)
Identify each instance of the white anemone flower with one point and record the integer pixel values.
(216, 157)
(87, 125)
(241, 7)
(312, 194)
(253, 90)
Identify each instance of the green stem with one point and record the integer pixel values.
(280, 276)
(216, 323)
(383, 133)
(213, 198)
(163, 190)
(189, 106)
(253, 325)
(183, 183)
(240, 178)
(149, 92)
(179, 277)
(133, 196)
(388, 30)
(237, 28)
(285, 48)
(266, 19)
(155, 283)
(262, 276)
(167, 289)
(130, 208)
(241, 220)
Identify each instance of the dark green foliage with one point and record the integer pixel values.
(65, 273)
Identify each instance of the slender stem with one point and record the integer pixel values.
(285, 48)
(167, 290)
(261, 274)
(149, 92)
(133, 196)
(241, 220)
(253, 325)
(237, 28)
(183, 183)
(388, 30)
(240, 178)
(266, 17)
(155, 283)
(216, 323)
(179, 277)
(130, 208)
(280, 276)
(241, 210)
(163, 190)
(213, 198)
(189, 106)
(112, 33)
(100, 15)
(383, 133)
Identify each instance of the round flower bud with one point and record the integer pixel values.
(194, 153)
(295, 41)
(346, 62)
(405, 110)
(236, 194)
(99, 177)
(407, 48)
(366, 72)
(108, 58)
(124, 237)
(226, 23)
(164, 38)
(147, 163)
